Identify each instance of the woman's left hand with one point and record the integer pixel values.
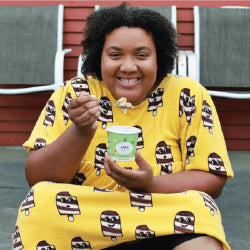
(143, 181)
(139, 180)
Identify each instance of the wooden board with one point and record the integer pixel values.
(18, 113)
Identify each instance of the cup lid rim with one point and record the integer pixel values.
(123, 129)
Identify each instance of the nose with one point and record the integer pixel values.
(128, 65)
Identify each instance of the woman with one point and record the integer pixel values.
(162, 199)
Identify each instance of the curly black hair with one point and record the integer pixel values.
(103, 21)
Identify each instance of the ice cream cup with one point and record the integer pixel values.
(122, 141)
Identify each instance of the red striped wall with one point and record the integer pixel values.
(18, 113)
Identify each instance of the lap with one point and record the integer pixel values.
(103, 219)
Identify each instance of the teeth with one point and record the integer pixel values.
(128, 81)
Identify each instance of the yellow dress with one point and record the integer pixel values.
(179, 131)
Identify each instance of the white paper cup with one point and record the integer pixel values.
(122, 141)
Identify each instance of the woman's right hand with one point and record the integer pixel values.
(51, 163)
(83, 112)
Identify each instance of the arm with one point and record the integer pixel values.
(60, 160)
(190, 180)
(144, 181)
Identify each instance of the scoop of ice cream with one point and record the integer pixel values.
(124, 104)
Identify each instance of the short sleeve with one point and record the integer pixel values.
(202, 140)
(54, 118)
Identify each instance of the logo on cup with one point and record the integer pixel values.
(124, 148)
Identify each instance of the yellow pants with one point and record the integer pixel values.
(66, 216)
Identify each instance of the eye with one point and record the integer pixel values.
(105, 105)
(188, 219)
(51, 109)
(70, 199)
(181, 219)
(101, 153)
(115, 55)
(141, 55)
(214, 162)
(113, 219)
(68, 100)
(63, 200)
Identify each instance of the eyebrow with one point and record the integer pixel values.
(137, 49)
(114, 48)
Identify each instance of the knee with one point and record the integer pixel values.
(203, 242)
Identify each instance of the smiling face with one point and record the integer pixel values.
(129, 64)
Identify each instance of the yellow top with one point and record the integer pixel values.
(180, 129)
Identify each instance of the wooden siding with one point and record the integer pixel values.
(18, 113)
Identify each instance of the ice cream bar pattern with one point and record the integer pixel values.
(79, 85)
(50, 114)
(78, 243)
(143, 232)
(184, 222)
(66, 103)
(209, 202)
(164, 157)
(28, 202)
(207, 117)
(140, 142)
(42, 245)
(97, 189)
(111, 224)
(187, 104)
(216, 164)
(67, 205)
(16, 239)
(78, 179)
(106, 112)
(39, 143)
(100, 151)
(141, 200)
(155, 101)
(190, 147)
